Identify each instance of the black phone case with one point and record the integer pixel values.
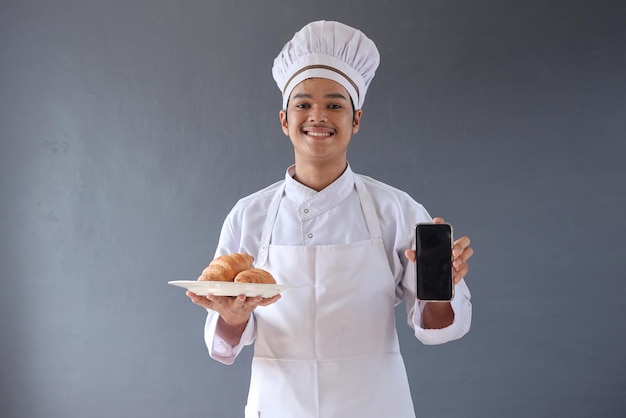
(433, 262)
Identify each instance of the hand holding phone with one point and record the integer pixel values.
(433, 262)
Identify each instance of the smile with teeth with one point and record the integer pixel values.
(319, 134)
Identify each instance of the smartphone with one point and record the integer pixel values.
(433, 262)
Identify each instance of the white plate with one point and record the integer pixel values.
(203, 288)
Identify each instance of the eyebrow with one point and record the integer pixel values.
(328, 96)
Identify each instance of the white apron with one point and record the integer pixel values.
(329, 347)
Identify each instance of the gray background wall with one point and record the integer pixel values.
(129, 128)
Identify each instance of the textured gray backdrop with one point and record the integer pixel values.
(129, 128)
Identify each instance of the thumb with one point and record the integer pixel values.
(410, 254)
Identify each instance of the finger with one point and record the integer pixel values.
(269, 301)
(459, 259)
(195, 298)
(251, 302)
(199, 300)
(467, 254)
(460, 245)
(239, 304)
(242, 304)
(439, 220)
(460, 273)
(410, 255)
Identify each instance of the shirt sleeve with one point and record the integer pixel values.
(401, 235)
(462, 307)
(219, 349)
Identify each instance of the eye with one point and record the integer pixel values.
(334, 106)
(302, 106)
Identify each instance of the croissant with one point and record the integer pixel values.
(226, 267)
(255, 276)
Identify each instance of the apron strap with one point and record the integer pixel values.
(369, 210)
(268, 226)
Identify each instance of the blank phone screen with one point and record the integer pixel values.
(433, 251)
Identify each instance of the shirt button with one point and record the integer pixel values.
(310, 235)
(306, 211)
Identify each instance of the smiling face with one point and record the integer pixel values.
(320, 122)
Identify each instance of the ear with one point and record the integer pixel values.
(356, 122)
(283, 122)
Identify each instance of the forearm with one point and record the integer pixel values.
(437, 315)
(231, 334)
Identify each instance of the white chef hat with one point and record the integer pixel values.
(330, 50)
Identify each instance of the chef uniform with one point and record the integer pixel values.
(329, 348)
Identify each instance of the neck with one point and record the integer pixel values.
(319, 176)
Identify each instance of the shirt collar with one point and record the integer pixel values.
(326, 198)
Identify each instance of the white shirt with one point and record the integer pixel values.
(334, 216)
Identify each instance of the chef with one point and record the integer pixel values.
(328, 347)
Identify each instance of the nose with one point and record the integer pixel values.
(318, 114)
